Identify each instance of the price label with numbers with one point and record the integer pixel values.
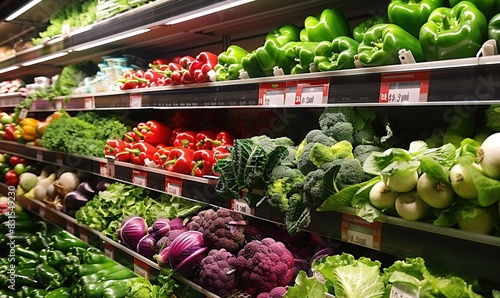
(241, 206)
(70, 227)
(399, 290)
(107, 169)
(290, 93)
(173, 186)
(312, 92)
(142, 269)
(89, 103)
(109, 250)
(404, 87)
(84, 234)
(358, 231)
(140, 178)
(136, 100)
(23, 114)
(272, 94)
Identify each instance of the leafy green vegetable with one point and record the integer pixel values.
(71, 76)
(305, 287)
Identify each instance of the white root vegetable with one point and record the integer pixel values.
(69, 181)
(410, 206)
(461, 182)
(401, 183)
(435, 193)
(482, 223)
(489, 156)
(381, 196)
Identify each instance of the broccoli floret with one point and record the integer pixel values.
(221, 229)
(365, 136)
(217, 272)
(321, 154)
(332, 115)
(286, 181)
(317, 136)
(313, 188)
(341, 131)
(290, 158)
(269, 144)
(303, 162)
(361, 152)
(264, 265)
(350, 172)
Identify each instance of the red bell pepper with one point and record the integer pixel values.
(158, 62)
(153, 132)
(140, 76)
(179, 160)
(131, 137)
(202, 69)
(116, 148)
(203, 162)
(203, 139)
(154, 78)
(174, 134)
(139, 151)
(187, 76)
(222, 151)
(12, 132)
(186, 139)
(161, 155)
(11, 178)
(222, 138)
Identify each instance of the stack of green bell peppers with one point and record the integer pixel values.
(62, 266)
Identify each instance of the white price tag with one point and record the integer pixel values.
(290, 96)
(89, 103)
(139, 178)
(23, 114)
(359, 238)
(109, 251)
(141, 269)
(39, 156)
(396, 292)
(59, 105)
(404, 95)
(173, 188)
(107, 169)
(135, 100)
(241, 206)
(311, 95)
(70, 228)
(274, 98)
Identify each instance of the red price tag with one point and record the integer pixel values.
(107, 169)
(59, 159)
(136, 100)
(173, 186)
(84, 235)
(140, 178)
(39, 156)
(142, 269)
(312, 92)
(272, 94)
(109, 250)
(70, 227)
(358, 231)
(89, 103)
(404, 87)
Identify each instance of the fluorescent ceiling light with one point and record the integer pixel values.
(206, 11)
(22, 10)
(45, 58)
(112, 39)
(10, 68)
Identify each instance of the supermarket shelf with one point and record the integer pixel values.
(438, 245)
(8, 100)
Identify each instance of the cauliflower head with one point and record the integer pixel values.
(217, 272)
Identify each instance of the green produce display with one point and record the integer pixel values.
(452, 33)
(359, 31)
(230, 63)
(488, 7)
(411, 15)
(338, 54)
(382, 42)
(330, 24)
(301, 56)
(494, 28)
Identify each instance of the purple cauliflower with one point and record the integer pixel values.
(217, 272)
(264, 265)
(221, 229)
(277, 292)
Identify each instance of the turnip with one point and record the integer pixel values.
(461, 182)
(435, 193)
(489, 156)
(410, 206)
(482, 223)
(401, 181)
(381, 196)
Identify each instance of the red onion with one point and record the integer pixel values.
(147, 246)
(132, 230)
(186, 252)
(159, 228)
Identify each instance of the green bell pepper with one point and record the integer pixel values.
(37, 293)
(24, 252)
(38, 241)
(273, 54)
(48, 276)
(301, 56)
(382, 43)
(55, 258)
(331, 23)
(284, 34)
(97, 289)
(338, 54)
(64, 241)
(452, 33)
(494, 29)
(61, 292)
(360, 30)
(24, 262)
(412, 14)
(229, 63)
(252, 66)
(94, 257)
(488, 7)
(70, 263)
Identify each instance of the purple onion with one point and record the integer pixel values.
(132, 230)
(147, 246)
(176, 223)
(186, 253)
(159, 228)
(162, 257)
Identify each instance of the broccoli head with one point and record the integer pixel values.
(269, 144)
(314, 188)
(303, 162)
(221, 229)
(285, 182)
(366, 135)
(217, 272)
(277, 292)
(341, 131)
(361, 152)
(350, 172)
(264, 265)
(321, 154)
(314, 136)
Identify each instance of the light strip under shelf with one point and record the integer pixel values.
(22, 10)
(10, 68)
(112, 39)
(206, 11)
(45, 58)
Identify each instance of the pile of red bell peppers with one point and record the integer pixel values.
(11, 167)
(179, 70)
(154, 144)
